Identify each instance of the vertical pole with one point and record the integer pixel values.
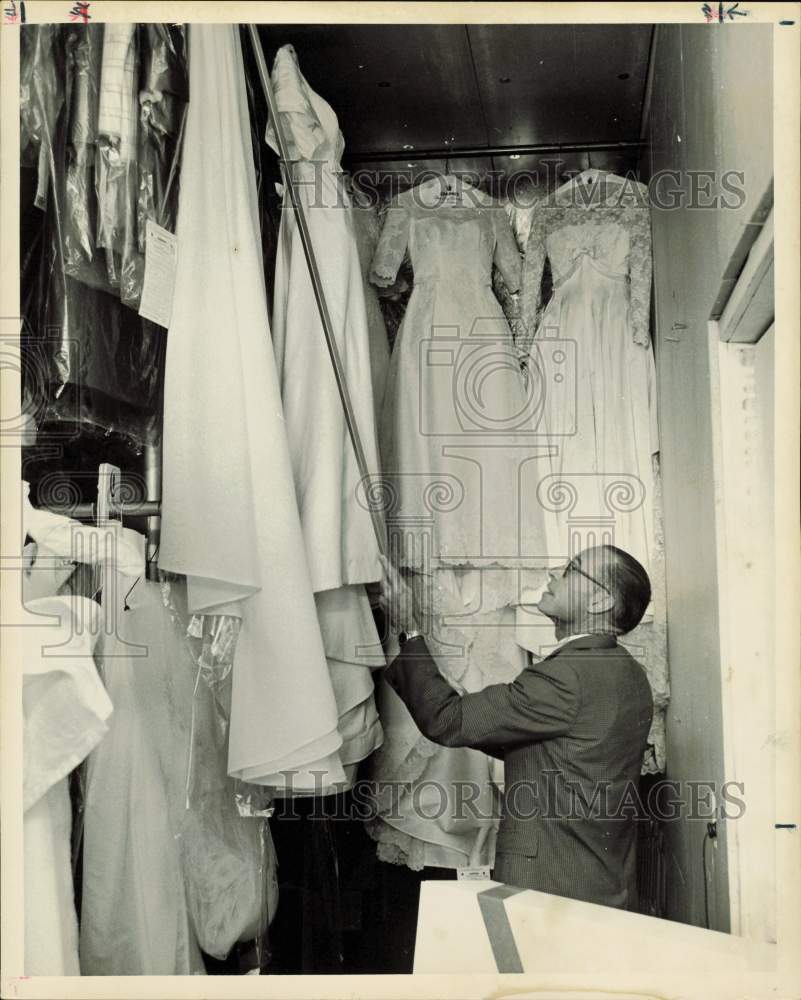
(153, 486)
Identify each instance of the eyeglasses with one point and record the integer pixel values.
(573, 567)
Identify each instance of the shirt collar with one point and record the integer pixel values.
(569, 638)
(585, 640)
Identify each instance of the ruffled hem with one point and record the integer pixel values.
(396, 847)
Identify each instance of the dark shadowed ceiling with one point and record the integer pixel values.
(401, 87)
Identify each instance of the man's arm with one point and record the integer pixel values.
(538, 704)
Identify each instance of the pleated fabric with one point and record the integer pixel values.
(229, 514)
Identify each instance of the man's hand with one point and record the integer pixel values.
(397, 599)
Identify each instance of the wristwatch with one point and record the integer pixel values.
(405, 636)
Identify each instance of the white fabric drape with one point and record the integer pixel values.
(341, 546)
(229, 515)
(65, 715)
(65, 712)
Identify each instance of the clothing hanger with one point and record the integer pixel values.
(588, 179)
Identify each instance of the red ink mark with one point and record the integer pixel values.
(721, 14)
(80, 12)
(14, 13)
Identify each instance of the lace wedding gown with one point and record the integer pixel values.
(460, 466)
(591, 354)
(590, 350)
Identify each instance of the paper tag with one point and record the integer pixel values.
(480, 873)
(161, 256)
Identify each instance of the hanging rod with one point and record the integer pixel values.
(477, 152)
(317, 285)
(88, 511)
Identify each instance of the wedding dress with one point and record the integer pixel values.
(600, 418)
(340, 540)
(341, 546)
(458, 432)
(461, 463)
(591, 354)
(229, 510)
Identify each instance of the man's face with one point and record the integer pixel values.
(577, 589)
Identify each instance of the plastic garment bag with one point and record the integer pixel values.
(88, 358)
(171, 864)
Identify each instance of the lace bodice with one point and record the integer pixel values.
(447, 240)
(309, 122)
(614, 231)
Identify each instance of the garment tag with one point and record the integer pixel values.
(161, 256)
(480, 873)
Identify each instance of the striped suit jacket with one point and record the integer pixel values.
(571, 731)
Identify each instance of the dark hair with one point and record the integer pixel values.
(631, 587)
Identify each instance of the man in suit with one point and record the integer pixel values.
(571, 729)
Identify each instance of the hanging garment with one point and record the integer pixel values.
(437, 806)
(457, 434)
(162, 113)
(591, 357)
(94, 362)
(42, 99)
(228, 859)
(341, 546)
(169, 864)
(65, 714)
(604, 432)
(229, 513)
(430, 822)
(460, 462)
(117, 122)
(368, 231)
(340, 539)
(353, 649)
(85, 51)
(137, 164)
(134, 917)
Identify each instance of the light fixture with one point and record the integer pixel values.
(408, 145)
(514, 156)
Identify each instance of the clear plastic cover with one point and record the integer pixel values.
(230, 865)
(101, 116)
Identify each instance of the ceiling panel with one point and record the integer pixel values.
(407, 87)
(390, 85)
(561, 83)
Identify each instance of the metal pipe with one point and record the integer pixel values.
(88, 511)
(319, 293)
(153, 530)
(478, 152)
